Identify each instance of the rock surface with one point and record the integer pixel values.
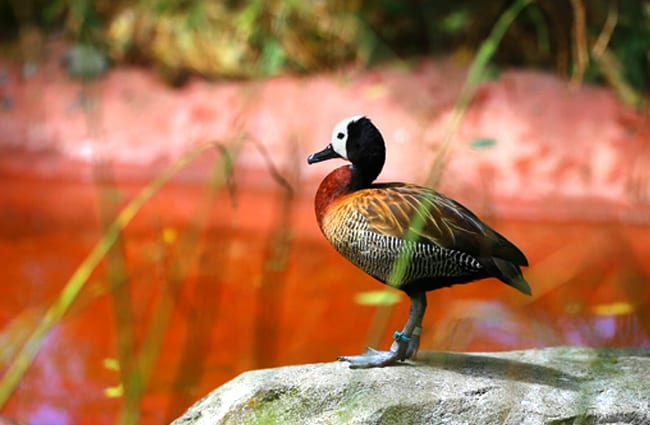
(563, 385)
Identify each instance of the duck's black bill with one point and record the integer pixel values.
(325, 154)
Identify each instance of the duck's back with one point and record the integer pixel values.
(438, 241)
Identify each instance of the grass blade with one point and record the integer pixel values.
(57, 310)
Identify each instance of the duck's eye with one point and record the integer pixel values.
(340, 136)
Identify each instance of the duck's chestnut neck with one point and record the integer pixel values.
(333, 186)
(364, 148)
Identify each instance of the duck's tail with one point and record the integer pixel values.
(510, 274)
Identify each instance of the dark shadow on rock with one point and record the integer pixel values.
(487, 366)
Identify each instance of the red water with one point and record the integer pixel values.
(257, 286)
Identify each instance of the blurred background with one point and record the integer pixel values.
(157, 233)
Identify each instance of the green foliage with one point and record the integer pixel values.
(631, 43)
(383, 297)
(254, 38)
(482, 143)
(236, 39)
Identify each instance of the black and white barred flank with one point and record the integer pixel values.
(397, 261)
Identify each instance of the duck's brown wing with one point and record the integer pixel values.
(411, 211)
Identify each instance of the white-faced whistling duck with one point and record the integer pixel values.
(404, 235)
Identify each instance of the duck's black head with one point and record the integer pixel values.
(357, 140)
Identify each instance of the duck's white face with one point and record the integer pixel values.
(340, 136)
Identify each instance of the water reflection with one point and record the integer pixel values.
(48, 414)
(589, 288)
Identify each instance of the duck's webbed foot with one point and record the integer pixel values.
(402, 349)
(406, 342)
(371, 358)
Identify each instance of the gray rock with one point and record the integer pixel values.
(553, 386)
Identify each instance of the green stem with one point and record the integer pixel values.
(57, 310)
(474, 78)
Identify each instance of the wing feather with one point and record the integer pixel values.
(392, 208)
